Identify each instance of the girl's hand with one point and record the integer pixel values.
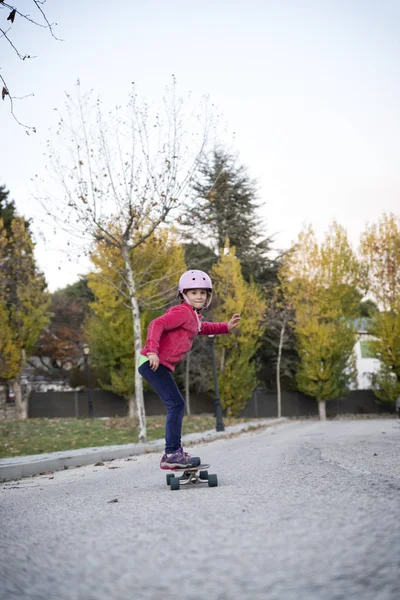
(234, 322)
(153, 360)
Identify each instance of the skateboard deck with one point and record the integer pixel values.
(183, 469)
(191, 475)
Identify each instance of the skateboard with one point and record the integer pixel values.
(191, 475)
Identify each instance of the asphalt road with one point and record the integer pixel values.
(305, 510)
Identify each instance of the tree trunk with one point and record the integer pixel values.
(21, 398)
(137, 340)
(322, 410)
(278, 372)
(187, 384)
(132, 413)
(21, 392)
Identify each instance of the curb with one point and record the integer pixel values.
(37, 464)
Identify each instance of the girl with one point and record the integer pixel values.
(169, 338)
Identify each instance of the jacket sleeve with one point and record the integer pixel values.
(208, 328)
(173, 318)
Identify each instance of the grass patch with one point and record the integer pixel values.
(36, 436)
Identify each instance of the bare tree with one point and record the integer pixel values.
(12, 13)
(122, 177)
(280, 316)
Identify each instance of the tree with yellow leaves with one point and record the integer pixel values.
(380, 251)
(23, 306)
(321, 282)
(236, 352)
(157, 264)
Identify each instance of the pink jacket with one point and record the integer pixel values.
(171, 335)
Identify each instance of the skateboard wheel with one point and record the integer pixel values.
(212, 481)
(203, 474)
(169, 477)
(174, 482)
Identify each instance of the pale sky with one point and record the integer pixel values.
(311, 89)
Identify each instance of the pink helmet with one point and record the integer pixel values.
(196, 279)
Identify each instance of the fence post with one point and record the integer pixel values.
(76, 404)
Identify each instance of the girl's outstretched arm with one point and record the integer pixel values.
(210, 328)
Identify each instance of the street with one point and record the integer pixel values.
(304, 510)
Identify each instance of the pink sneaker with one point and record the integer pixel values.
(179, 460)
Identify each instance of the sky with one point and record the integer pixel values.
(310, 89)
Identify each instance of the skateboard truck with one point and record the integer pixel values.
(191, 475)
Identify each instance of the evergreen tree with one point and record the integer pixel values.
(8, 210)
(368, 308)
(199, 256)
(79, 292)
(225, 206)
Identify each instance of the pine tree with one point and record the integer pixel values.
(225, 206)
(8, 210)
(199, 256)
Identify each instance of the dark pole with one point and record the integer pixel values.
(218, 410)
(89, 390)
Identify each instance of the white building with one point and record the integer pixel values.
(366, 363)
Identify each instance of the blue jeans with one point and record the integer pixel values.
(163, 383)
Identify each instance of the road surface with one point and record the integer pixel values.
(304, 510)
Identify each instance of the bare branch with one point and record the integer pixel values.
(21, 56)
(6, 93)
(14, 12)
(27, 17)
(48, 24)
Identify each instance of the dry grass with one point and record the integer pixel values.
(36, 436)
